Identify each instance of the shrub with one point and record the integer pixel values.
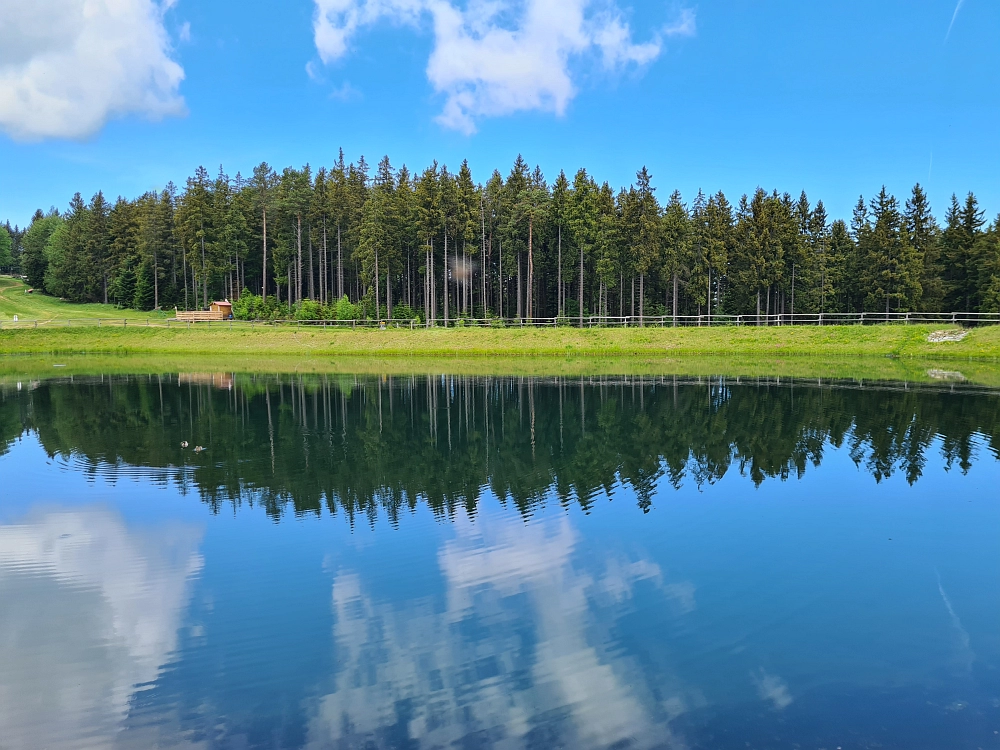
(309, 310)
(344, 310)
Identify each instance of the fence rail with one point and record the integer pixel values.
(588, 321)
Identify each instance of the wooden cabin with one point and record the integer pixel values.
(225, 307)
(217, 311)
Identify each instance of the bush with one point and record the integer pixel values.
(405, 312)
(497, 323)
(344, 310)
(251, 307)
(309, 310)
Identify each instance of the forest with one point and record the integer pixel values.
(344, 243)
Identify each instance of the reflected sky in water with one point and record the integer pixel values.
(555, 577)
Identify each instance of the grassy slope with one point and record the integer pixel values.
(13, 301)
(757, 343)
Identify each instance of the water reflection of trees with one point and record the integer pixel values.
(358, 445)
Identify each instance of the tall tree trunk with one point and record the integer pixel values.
(444, 287)
(559, 298)
(388, 296)
(642, 298)
(376, 284)
(312, 283)
(531, 272)
(520, 310)
(500, 293)
(710, 295)
(204, 272)
(340, 267)
(673, 300)
(482, 253)
(156, 283)
(263, 271)
(298, 267)
(581, 286)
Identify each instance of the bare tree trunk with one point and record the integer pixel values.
(263, 274)
(312, 278)
(376, 284)
(531, 272)
(709, 295)
(642, 298)
(156, 282)
(500, 295)
(444, 287)
(340, 267)
(581, 286)
(674, 299)
(388, 296)
(520, 311)
(559, 299)
(298, 268)
(204, 271)
(324, 269)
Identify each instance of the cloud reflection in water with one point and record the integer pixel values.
(98, 608)
(518, 654)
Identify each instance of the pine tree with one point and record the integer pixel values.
(924, 236)
(677, 248)
(6, 249)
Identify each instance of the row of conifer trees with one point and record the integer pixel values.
(438, 244)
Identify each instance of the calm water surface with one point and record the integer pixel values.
(440, 562)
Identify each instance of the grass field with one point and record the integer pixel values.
(746, 342)
(888, 351)
(14, 301)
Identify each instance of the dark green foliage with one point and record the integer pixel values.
(123, 288)
(442, 245)
(142, 298)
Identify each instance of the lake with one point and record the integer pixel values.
(210, 560)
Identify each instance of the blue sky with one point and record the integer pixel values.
(834, 98)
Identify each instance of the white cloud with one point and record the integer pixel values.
(496, 57)
(67, 66)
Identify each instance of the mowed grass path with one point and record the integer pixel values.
(37, 306)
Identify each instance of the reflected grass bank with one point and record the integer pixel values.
(898, 369)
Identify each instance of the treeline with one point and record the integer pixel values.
(366, 446)
(440, 245)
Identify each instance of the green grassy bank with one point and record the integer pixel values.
(760, 343)
(869, 353)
